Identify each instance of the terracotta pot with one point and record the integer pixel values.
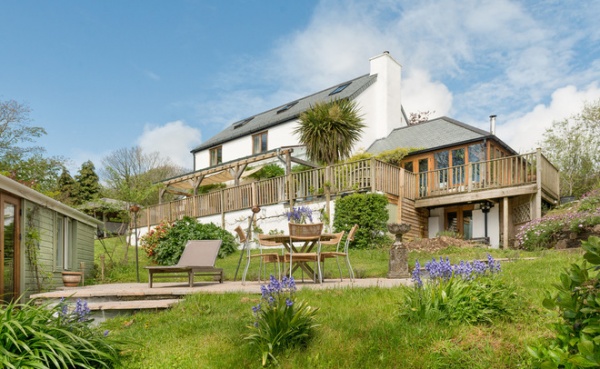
(71, 279)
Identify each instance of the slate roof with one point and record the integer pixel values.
(280, 115)
(432, 134)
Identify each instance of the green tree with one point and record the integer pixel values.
(67, 187)
(88, 183)
(330, 130)
(572, 145)
(35, 171)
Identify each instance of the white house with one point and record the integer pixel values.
(461, 178)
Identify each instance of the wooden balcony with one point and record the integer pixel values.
(509, 176)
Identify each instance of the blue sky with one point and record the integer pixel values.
(167, 75)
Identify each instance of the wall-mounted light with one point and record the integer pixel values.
(485, 206)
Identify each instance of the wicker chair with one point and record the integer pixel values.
(309, 234)
(337, 253)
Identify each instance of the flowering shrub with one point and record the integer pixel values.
(576, 344)
(53, 337)
(464, 292)
(300, 215)
(544, 232)
(280, 322)
(150, 240)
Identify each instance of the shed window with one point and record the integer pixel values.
(259, 143)
(65, 242)
(216, 156)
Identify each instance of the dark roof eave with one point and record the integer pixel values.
(242, 134)
(488, 137)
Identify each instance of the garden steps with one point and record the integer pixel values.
(108, 300)
(133, 305)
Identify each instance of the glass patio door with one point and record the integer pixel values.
(9, 248)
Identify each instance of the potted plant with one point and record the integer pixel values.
(300, 215)
(71, 278)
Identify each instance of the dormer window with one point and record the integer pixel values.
(339, 88)
(242, 122)
(287, 107)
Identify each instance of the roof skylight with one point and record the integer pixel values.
(339, 88)
(286, 107)
(242, 122)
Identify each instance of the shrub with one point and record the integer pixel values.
(590, 201)
(369, 211)
(577, 343)
(280, 322)
(464, 292)
(171, 246)
(52, 337)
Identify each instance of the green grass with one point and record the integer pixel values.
(359, 328)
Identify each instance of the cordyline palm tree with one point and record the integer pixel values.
(330, 130)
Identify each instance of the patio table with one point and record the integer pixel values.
(299, 247)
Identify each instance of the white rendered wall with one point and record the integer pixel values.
(277, 136)
(493, 220)
(435, 222)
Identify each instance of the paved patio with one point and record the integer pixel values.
(141, 290)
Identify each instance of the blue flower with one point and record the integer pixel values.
(289, 302)
(416, 274)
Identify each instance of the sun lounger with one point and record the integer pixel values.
(198, 258)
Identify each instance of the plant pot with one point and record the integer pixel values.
(71, 279)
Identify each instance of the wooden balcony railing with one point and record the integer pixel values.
(369, 175)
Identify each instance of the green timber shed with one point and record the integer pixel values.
(39, 239)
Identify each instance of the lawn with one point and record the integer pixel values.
(358, 328)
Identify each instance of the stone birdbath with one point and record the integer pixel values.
(398, 253)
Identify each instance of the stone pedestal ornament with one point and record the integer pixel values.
(398, 267)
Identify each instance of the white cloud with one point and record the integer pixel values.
(525, 133)
(173, 140)
(420, 93)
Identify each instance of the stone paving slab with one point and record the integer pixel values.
(133, 305)
(122, 290)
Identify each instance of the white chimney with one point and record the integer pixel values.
(493, 124)
(386, 96)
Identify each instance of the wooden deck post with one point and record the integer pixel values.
(401, 189)
(327, 189)
(373, 178)
(505, 223)
(254, 190)
(538, 181)
(289, 178)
